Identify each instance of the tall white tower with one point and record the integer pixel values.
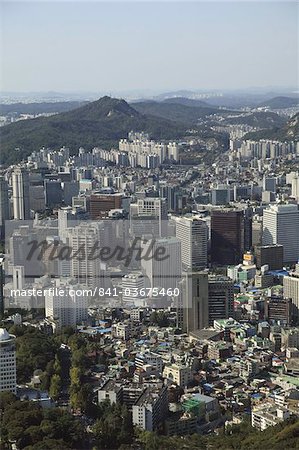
(20, 191)
(193, 234)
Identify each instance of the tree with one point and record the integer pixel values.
(55, 386)
(6, 399)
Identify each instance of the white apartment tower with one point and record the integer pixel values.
(8, 372)
(193, 234)
(281, 226)
(20, 192)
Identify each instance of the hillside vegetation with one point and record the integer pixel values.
(99, 123)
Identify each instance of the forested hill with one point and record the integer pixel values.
(288, 132)
(99, 123)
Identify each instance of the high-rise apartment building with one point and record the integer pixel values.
(281, 226)
(8, 372)
(20, 192)
(227, 236)
(193, 234)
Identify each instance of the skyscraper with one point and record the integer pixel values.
(291, 290)
(163, 271)
(221, 297)
(4, 205)
(194, 309)
(193, 234)
(149, 215)
(227, 236)
(83, 239)
(20, 191)
(295, 188)
(8, 373)
(281, 226)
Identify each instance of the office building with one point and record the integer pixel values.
(4, 205)
(281, 226)
(20, 192)
(131, 285)
(53, 193)
(295, 188)
(193, 309)
(149, 216)
(66, 302)
(162, 266)
(82, 240)
(193, 234)
(227, 236)
(37, 198)
(278, 309)
(8, 372)
(291, 291)
(101, 204)
(220, 297)
(220, 196)
(270, 255)
(18, 277)
(2, 282)
(269, 184)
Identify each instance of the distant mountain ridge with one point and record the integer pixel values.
(174, 111)
(38, 108)
(280, 102)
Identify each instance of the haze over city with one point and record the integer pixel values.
(123, 46)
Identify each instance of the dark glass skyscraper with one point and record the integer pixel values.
(227, 236)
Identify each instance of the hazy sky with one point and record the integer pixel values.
(120, 46)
